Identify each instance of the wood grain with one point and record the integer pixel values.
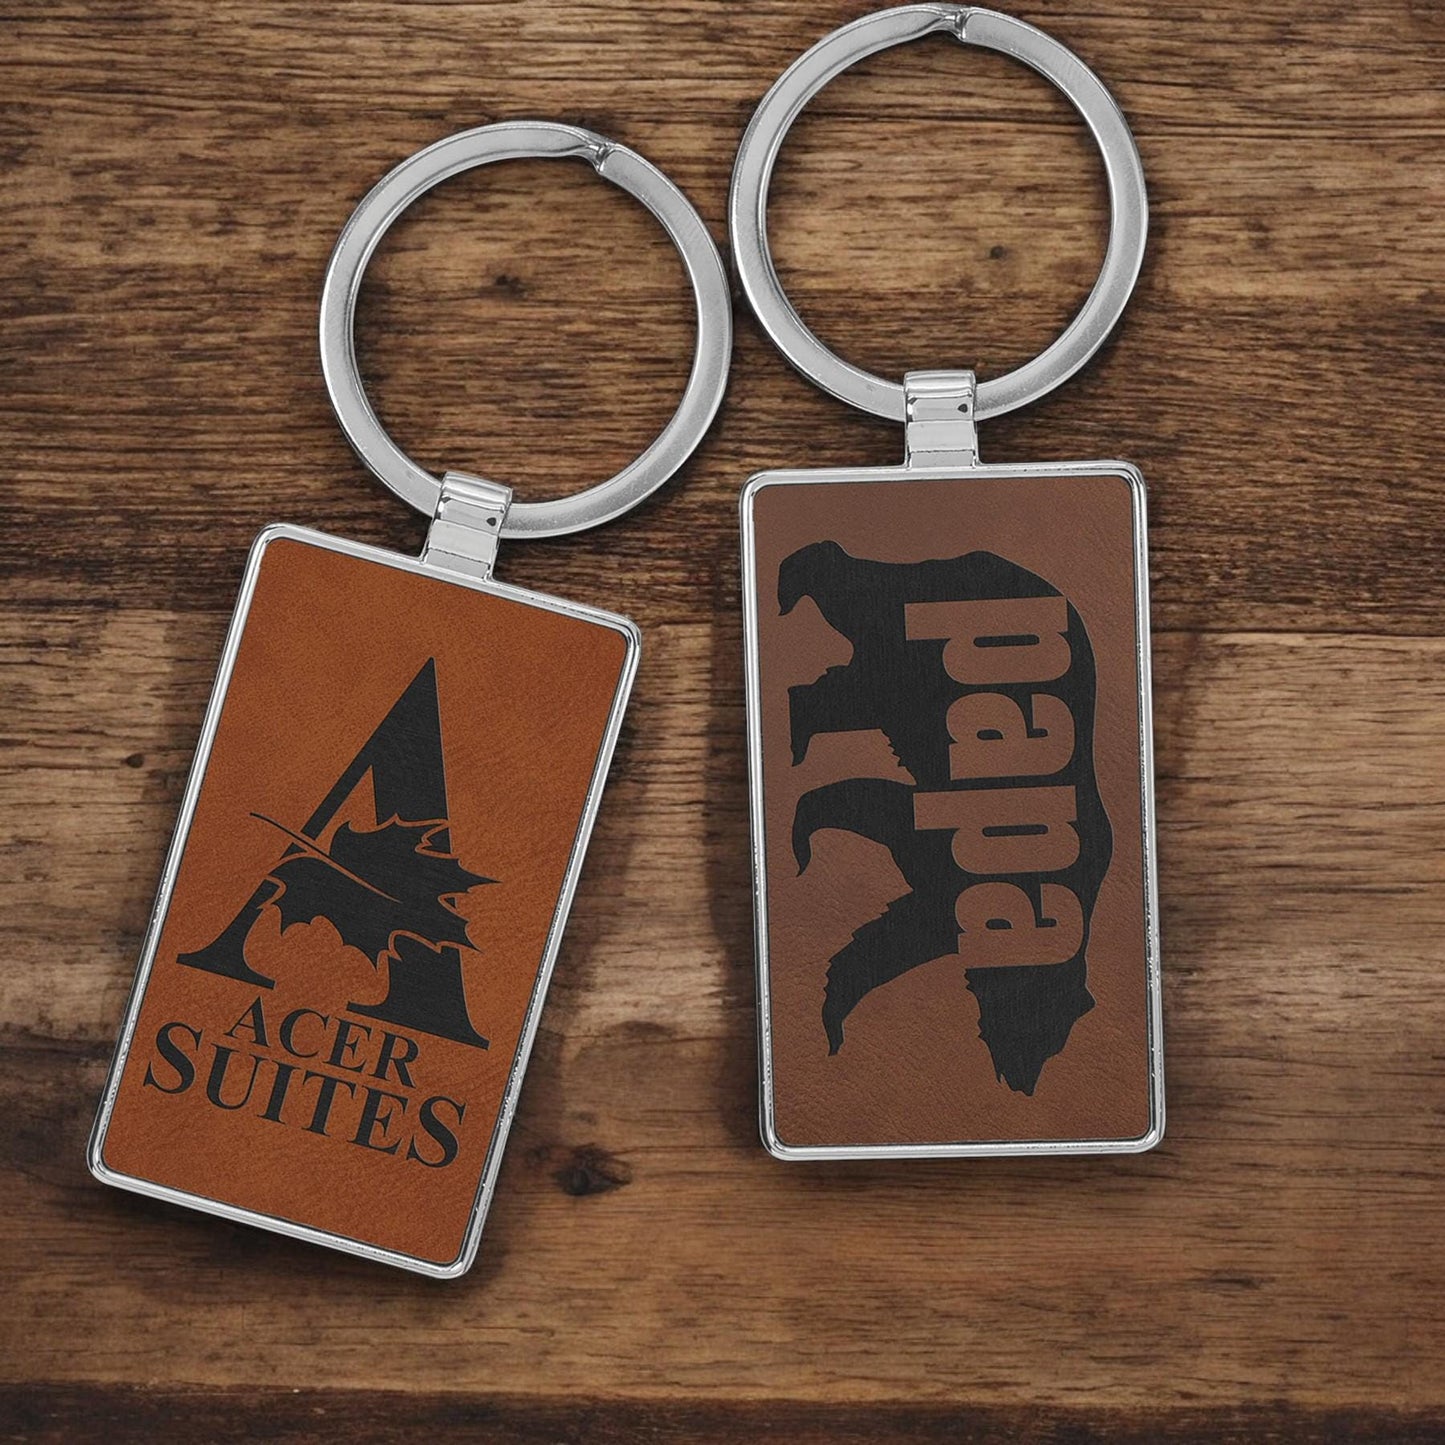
(176, 174)
(56, 1416)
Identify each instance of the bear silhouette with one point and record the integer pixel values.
(900, 686)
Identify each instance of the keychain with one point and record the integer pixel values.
(949, 727)
(381, 835)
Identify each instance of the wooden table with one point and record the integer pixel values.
(175, 174)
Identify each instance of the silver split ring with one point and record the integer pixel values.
(748, 219)
(517, 140)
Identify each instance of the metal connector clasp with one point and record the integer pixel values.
(467, 525)
(940, 429)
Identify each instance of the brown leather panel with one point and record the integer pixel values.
(344, 672)
(919, 1058)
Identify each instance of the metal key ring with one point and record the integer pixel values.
(518, 140)
(748, 220)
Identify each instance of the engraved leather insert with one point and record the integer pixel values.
(364, 899)
(952, 810)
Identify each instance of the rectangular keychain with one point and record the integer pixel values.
(949, 728)
(385, 821)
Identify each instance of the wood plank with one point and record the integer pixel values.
(1283, 1244)
(58, 1415)
(1330, 61)
(933, 209)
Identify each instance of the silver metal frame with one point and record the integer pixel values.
(752, 174)
(482, 1202)
(960, 1149)
(514, 140)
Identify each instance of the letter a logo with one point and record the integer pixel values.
(389, 890)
